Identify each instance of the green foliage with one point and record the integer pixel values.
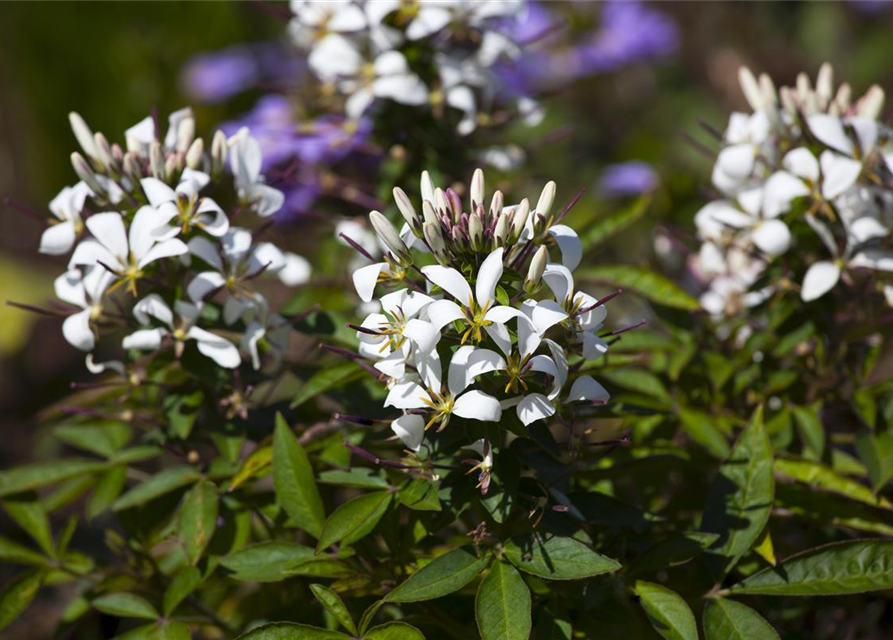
(502, 604)
(730, 620)
(669, 614)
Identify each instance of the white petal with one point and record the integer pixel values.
(819, 280)
(57, 238)
(234, 308)
(77, 331)
(829, 130)
(569, 244)
(406, 395)
(144, 339)
(866, 132)
(335, 56)
(544, 314)
(265, 199)
(266, 257)
(410, 428)
(101, 367)
(348, 17)
(203, 248)
(534, 407)
(424, 334)
(212, 219)
(296, 271)
(69, 288)
(203, 284)
(409, 303)
(220, 350)
(488, 277)
(477, 405)
(585, 388)
(545, 364)
(141, 233)
(358, 102)
(390, 63)
(781, 188)
(90, 252)
(839, 173)
(450, 281)
(592, 319)
(394, 365)
(429, 20)
(165, 249)
(736, 160)
(500, 335)
(559, 357)
(867, 228)
(443, 312)
(560, 280)
(406, 88)
(365, 279)
(108, 229)
(157, 192)
(593, 347)
(430, 369)
(153, 306)
(802, 163)
(772, 237)
(469, 362)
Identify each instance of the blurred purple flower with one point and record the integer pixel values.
(628, 179)
(871, 7)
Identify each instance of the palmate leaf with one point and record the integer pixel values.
(502, 605)
(293, 481)
(730, 620)
(854, 566)
(669, 614)
(740, 498)
(557, 557)
(444, 575)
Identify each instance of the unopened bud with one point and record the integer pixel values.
(85, 172)
(767, 89)
(117, 155)
(477, 188)
(547, 198)
(156, 160)
(218, 153)
(429, 214)
(535, 271)
(172, 167)
(440, 200)
(872, 103)
(843, 97)
(427, 187)
(788, 100)
(185, 134)
(501, 232)
(404, 204)
(824, 85)
(434, 238)
(804, 87)
(476, 232)
(456, 235)
(388, 235)
(131, 167)
(103, 151)
(83, 134)
(497, 202)
(750, 88)
(519, 219)
(195, 153)
(455, 203)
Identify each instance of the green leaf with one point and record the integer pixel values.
(876, 451)
(668, 613)
(197, 519)
(180, 588)
(673, 551)
(637, 380)
(606, 227)
(444, 575)
(103, 438)
(293, 480)
(854, 566)
(358, 477)
(830, 508)
(259, 460)
(14, 552)
(740, 497)
(730, 620)
(18, 594)
(652, 285)
(166, 630)
(420, 494)
(181, 412)
(809, 425)
(327, 379)
(818, 475)
(125, 605)
(765, 548)
(700, 427)
(354, 519)
(291, 631)
(334, 605)
(502, 605)
(34, 476)
(267, 561)
(393, 631)
(29, 514)
(557, 557)
(107, 490)
(158, 485)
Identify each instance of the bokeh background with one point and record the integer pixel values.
(112, 62)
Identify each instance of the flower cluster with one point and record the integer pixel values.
(809, 168)
(467, 329)
(154, 256)
(441, 54)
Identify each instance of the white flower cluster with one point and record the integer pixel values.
(467, 329)
(358, 49)
(139, 225)
(807, 163)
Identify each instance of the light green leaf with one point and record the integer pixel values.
(740, 497)
(502, 605)
(700, 427)
(637, 380)
(334, 605)
(258, 462)
(107, 490)
(730, 620)
(818, 475)
(652, 285)
(17, 554)
(557, 557)
(166, 630)
(444, 575)
(393, 631)
(327, 379)
(180, 588)
(197, 519)
(765, 548)
(854, 566)
(292, 631)
(34, 476)
(830, 508)
(354, 519)
(809, 425)
(102, 438)
(29, 514)
(18, 594)
(876, 451)
(161, 483)
(673, 551)
(267, 561)
(293, 480)
(669, 614)
(606, 227)
(125, 605)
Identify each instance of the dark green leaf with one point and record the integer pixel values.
(669, 614)
(29, 513)
(259, 461)
(125, 605)
(809, 425)
(876, 451)
(557, 557)
(181, 412)
(359, 477)
(420, 494)
(730, 620)
(606, 227)
(107, 490)
(393, 631)
(292, 631)
(158, 485)
(293, 480)
(43, 474)
(740, 497)
(652, 285)
(161, 630)
(18, 594)
(267, 561)
(327, 379)
(334, 605)
(17, 554)
(444, 575)
(197, 519)
(183, 584)
(502, 605)
(840, 568)
(103, 438)
(673, 552)
(354, 519)
(830, 508)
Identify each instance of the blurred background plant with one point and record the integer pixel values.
(623, 85)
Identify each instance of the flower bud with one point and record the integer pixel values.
(750, 88)
(434, 238)
(218, 153)
(404, 204)
(131, 167)
(389, 236)
(458, 238)
(500, 234)
(477, 188)
(173, 167)
(85, 172)
(843, 97)
(103, 151)
(788, 100)
(535, 271)
(824, 85)
(427, 187)
(440, 201)
(497, 203)
(156, 160)
(455, 203)
(519, 220)
(429, 214)
(117, 155)
(83, 134)
(185, 134)
(476, 232)
(195, 153)
(872, 103)
(547, 197)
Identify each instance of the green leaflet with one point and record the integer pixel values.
(502, 605)
(557, 557)
(354, 519)
(669, 614)
(293, 480)
(444, 575)
(730, 620)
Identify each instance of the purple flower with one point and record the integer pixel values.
(627, 179)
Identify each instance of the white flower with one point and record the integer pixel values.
(585, 317)
(485, 466)
(180, 131)
(84, 292)
(744, 137)
(246, 160)
(183, 207)
(265, 324)
(410, 428)
(466, 364)
(97, 368)
(125, 252)
(220, 350)
(59, 237)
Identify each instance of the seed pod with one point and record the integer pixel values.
(389, 236)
